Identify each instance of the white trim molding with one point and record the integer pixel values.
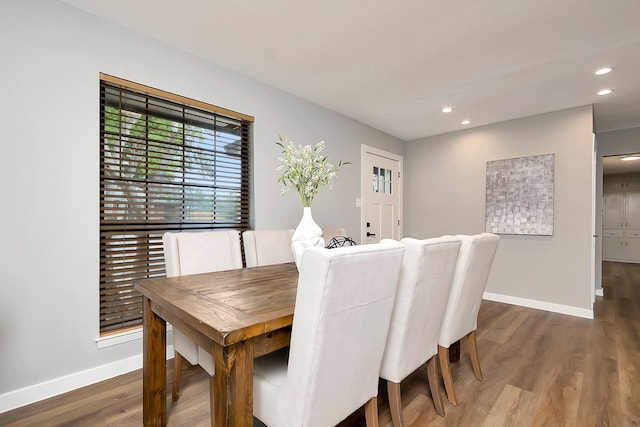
(599, 292)
(123, 337)
(540, 305)
(44, 390)
(119, 338)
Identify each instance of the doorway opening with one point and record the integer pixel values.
(614, 242)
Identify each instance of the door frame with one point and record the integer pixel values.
(365, 180)
(596, 236)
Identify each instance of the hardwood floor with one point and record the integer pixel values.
(540, 369)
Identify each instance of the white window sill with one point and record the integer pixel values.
(122, 337)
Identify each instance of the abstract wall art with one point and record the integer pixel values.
(519, 195)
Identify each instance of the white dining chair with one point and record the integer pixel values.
(461, 315)
(194, 253)
(343, 307)
(425, 282)
(266, 247)
(330, 233)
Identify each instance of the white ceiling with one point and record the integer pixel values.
(614, 164)
(394, 64)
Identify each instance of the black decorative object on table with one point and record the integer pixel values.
(339, 241)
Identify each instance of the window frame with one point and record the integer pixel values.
(211, 154)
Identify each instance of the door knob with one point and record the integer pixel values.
(370, 234)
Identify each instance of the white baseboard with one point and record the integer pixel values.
(599, 292)
(540, 305)
(37, 392)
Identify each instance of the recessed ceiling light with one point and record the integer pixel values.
(447, 109)
(603, 70)
(466, 122)
(605, 92)
(629, 158)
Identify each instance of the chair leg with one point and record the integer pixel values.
(443, 354)
(434, 385)
(371, 412)
(473, 353)
(395, 403)
(177, 376)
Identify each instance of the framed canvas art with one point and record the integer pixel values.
(519, 195)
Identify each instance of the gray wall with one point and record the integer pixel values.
(445, 194)
(52, 55)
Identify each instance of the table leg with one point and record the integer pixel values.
(154, 368)
(233, 385)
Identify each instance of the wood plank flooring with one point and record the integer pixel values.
(540, 369)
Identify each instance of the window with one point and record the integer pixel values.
(381, 180)
(167, 163)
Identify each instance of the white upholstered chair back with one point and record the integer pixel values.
(266, 247)
(194, 253)
(330, 233)
(469, 282)
(343, 308)
(423, 290)
(461, 316)
(425, 282)
(201, 252)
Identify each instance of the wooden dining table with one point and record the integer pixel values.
(235, 315)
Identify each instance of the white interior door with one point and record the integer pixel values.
(381, 189)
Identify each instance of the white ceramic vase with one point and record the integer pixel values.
(306, 234)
